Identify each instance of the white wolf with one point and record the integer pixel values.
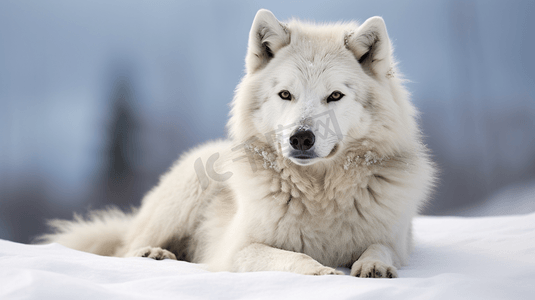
(324, 166)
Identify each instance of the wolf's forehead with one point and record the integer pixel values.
(317, 67)
(317, 48)
(315, 56)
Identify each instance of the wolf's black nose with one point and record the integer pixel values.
(302, 140)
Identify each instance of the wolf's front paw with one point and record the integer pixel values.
(156, 253)
(373, 269)
(327, 271)
(321, 270)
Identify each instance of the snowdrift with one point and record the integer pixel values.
(454, 258)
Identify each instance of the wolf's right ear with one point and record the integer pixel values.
(267, 36)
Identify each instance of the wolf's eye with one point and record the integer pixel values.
(285, 95)
(335, 96)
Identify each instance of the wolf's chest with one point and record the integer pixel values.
(333, 232)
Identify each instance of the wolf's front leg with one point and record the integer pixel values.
(260, 257)
(375, 262)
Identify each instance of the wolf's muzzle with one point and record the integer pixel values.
(302, 139)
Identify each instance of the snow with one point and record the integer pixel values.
(454, 258)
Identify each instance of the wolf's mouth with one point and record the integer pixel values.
(303, 155)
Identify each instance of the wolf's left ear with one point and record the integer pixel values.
(371, 46)
(267, 36)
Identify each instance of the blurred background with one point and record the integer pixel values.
(98, 98)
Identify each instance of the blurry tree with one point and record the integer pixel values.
(120, 173)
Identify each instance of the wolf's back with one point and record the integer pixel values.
(102, 232)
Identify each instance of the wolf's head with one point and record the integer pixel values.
(311, 91)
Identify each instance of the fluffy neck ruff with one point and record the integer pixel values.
(323, 184)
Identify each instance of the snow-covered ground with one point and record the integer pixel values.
(454, 258)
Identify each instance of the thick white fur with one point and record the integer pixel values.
(350, 206)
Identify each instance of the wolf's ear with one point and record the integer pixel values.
(267, 36)
(371, 46)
